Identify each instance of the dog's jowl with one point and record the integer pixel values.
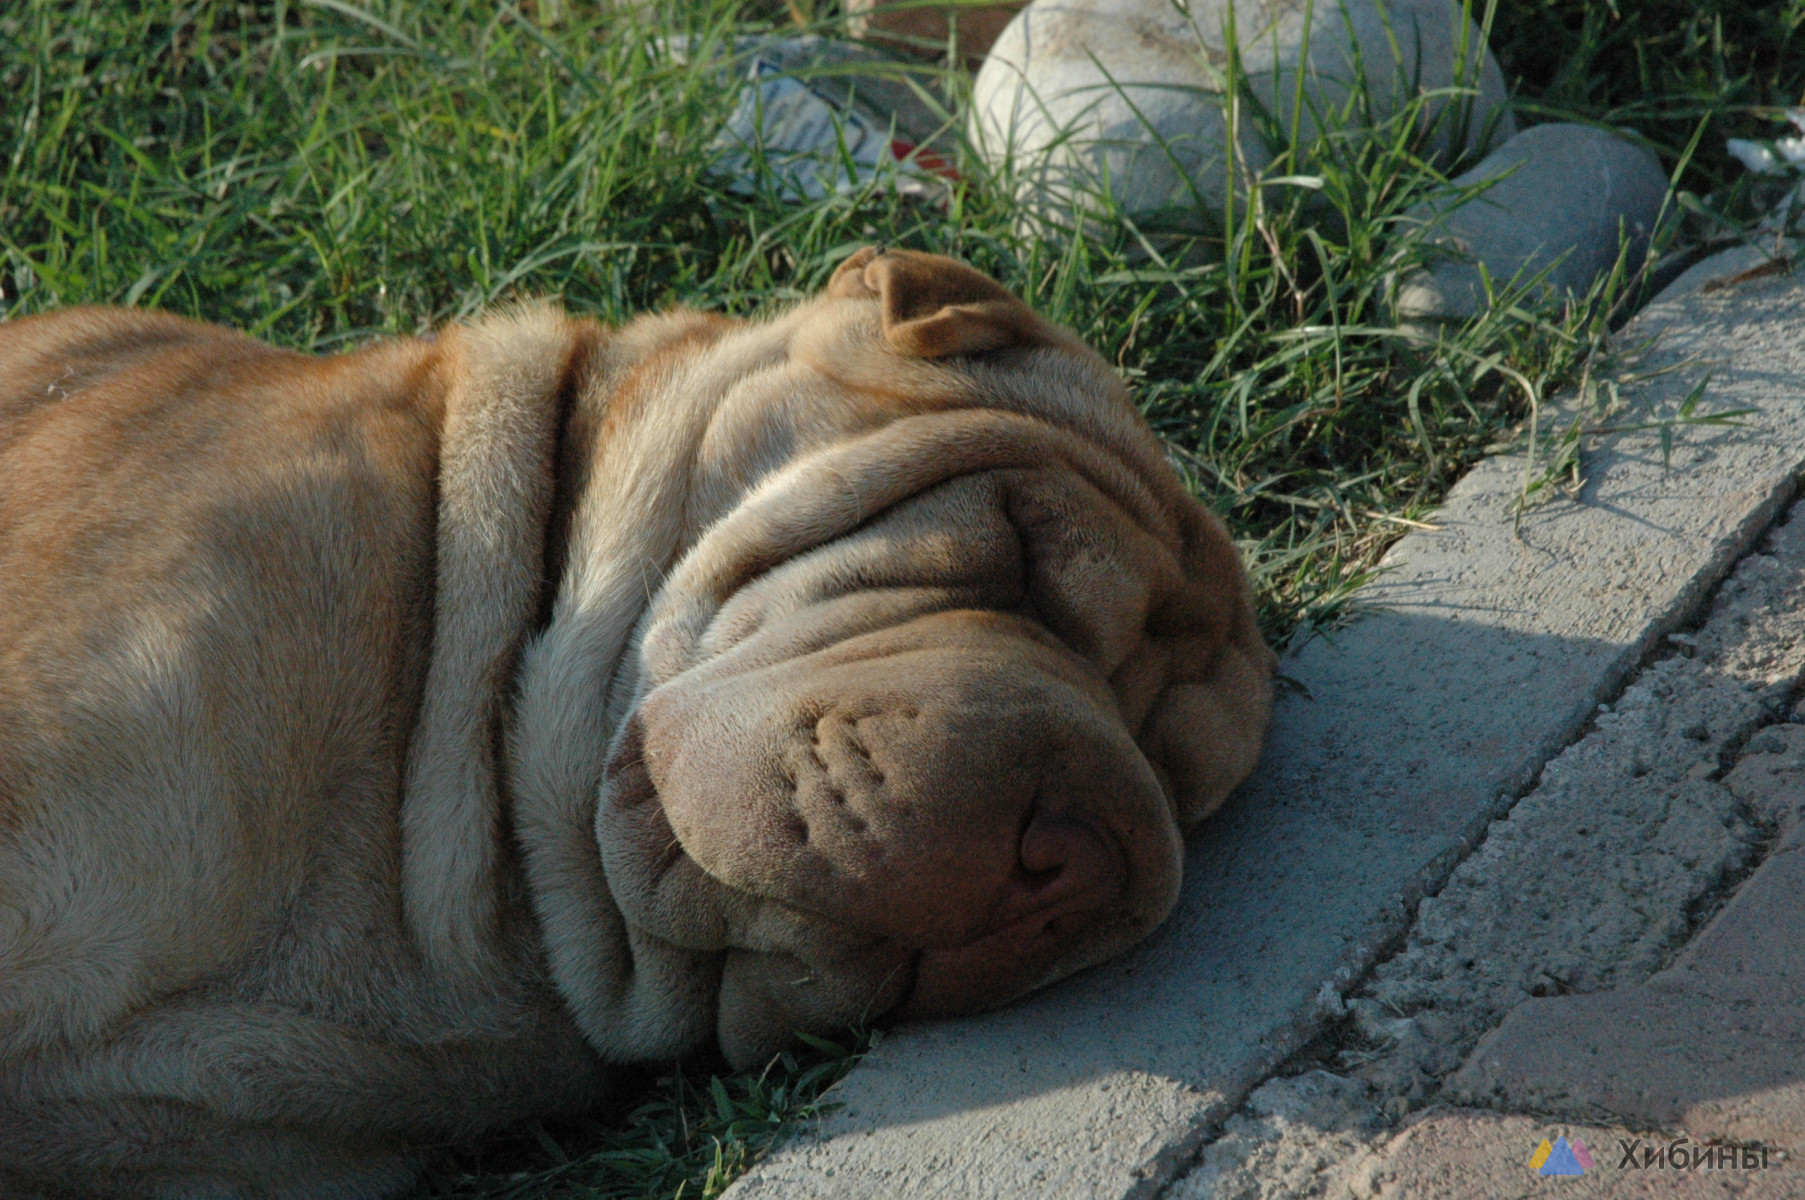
(393, 743)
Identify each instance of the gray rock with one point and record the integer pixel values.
(1083, 99)
(1561, 195)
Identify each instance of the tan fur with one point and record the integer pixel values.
(391, 742)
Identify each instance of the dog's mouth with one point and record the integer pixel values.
(1064, 873)
(950, 798)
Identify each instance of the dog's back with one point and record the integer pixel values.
(164, 486)
(217, 599)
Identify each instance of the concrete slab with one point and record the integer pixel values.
(1595, 880)
(1715, 1044)
(1416, 727)
(1486, 1156)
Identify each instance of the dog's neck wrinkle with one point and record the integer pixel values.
(628, 456)
(578, 423)
(625, 390)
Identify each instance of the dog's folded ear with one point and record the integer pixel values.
(935, 306)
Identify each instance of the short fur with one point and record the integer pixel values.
(391, 742)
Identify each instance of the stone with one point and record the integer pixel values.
(1555, 198)
(1587, 884)
(1733, 266)
(1126, 98)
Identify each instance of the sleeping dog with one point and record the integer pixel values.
(393, 743)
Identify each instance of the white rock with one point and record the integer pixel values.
(1754, 156)
(1562, 194)
(1082, 98)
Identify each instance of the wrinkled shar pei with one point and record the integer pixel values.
(391, 743)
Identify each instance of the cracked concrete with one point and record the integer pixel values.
(1297, 1136)
(1714, 1045)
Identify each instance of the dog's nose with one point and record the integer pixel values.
(1066, 888)
(1066, 867)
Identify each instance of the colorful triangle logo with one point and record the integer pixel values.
(1560, 1159)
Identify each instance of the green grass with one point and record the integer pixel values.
(690, 1135)
(319, 173)
(1672, 70)
(322, 173)
(1659, 66)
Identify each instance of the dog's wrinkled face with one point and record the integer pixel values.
(921, 721)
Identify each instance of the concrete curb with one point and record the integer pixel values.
(1421, 723)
